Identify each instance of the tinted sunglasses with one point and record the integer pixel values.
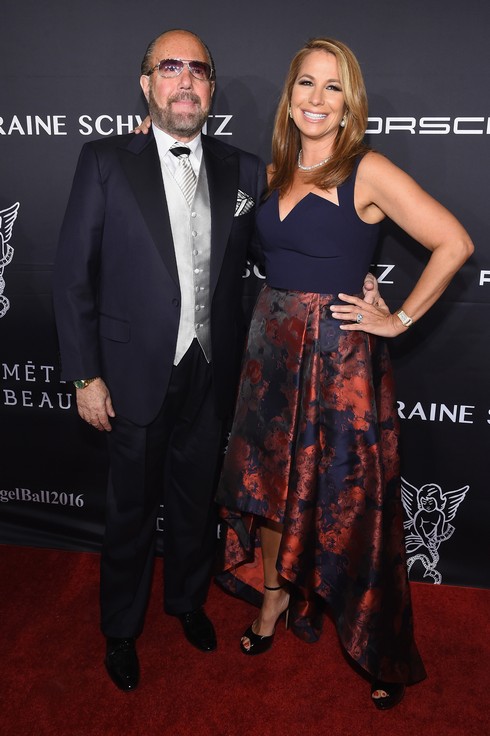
(173, 67)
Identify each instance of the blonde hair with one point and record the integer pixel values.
(349, 142)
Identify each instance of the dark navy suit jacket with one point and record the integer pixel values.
(116, 287)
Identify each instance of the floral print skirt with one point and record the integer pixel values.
(314, 446)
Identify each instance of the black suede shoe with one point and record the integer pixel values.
(198, 629)
(122, 664)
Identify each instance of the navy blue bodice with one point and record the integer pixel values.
(320, 246)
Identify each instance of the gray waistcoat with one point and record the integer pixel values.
(191, 231)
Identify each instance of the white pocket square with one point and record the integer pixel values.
(244, 203)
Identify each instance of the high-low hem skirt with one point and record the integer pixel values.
(314, 447)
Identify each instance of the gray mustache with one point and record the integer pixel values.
(185, 96)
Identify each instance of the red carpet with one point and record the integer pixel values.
(53, 680)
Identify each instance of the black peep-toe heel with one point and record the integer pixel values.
(261, 644)
(394, 694)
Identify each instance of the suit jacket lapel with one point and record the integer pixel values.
(141, 164)
(222, 172)
(142, 167)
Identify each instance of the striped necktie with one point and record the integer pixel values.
(184, 173)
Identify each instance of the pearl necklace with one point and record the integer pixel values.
(315, 166)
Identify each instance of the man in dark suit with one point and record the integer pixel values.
(147, 291)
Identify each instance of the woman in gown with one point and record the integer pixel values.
(310, 489)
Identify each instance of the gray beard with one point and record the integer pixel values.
(184, 124)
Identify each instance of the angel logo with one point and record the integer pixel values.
(429, 512)
(7, 219)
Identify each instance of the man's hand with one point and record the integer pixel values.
(371, 292)
(95, 405)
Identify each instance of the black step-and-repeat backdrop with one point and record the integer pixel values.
(69, 73)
